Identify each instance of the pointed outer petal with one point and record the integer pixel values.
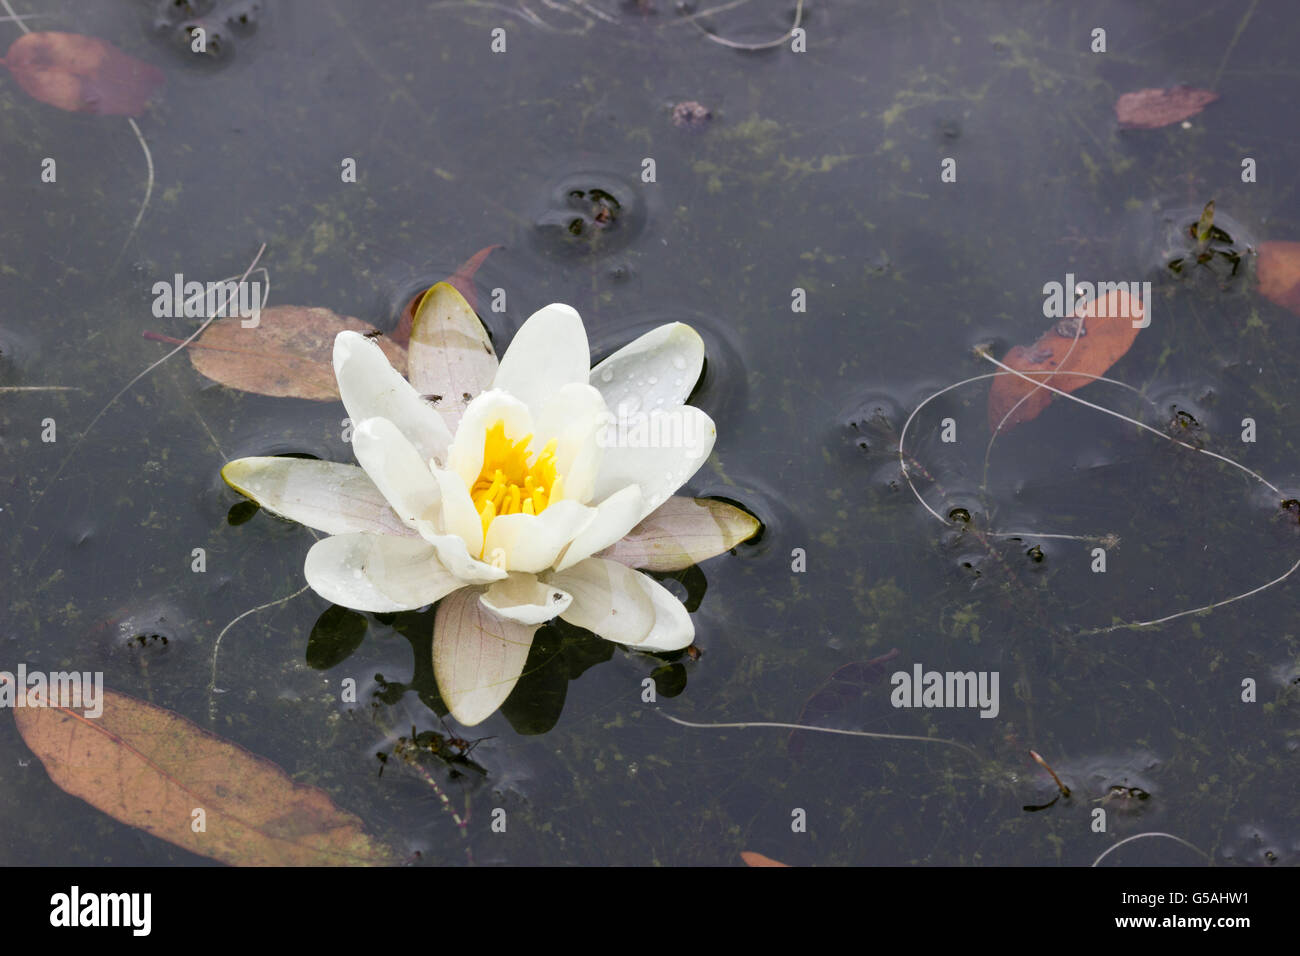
(615, 516)
(325, 495)
(624, 606)
(660, 452)
(371, 388)
(372, 572)
(657, 370)
(397, 470)
(548, 352)
(450, 354)
(465, 456)
(576, 417)
(458, 514)
(477, 656)
(532, 542)
(525, 600)
(683, 531)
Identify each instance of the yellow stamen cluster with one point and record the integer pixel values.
(509, 483)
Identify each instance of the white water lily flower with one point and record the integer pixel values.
(501, 504)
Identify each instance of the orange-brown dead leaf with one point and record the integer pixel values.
(1153, 108)
(757, 859)
(151, 769)
(1109, 333)
(81, 74)
(1279, 273)
(289, 354)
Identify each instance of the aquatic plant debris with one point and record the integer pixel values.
(285, 355)
(1278, 272)
(81, 74)
(1153, 108)
(1093, 339)
(151, 769)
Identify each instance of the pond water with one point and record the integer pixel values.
(817, 171)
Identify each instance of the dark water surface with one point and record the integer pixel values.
(818, 171)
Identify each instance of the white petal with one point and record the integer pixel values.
(524, 599)
(533, 542)
(608, 599)
(450, 354)
(576, 417)
(397, 470)
(657, 370)
(660, 452)
(624, 606)
(459, 517)
(465, 456)
(325, 495)
(548, 352)
(371, 388)
(477, 656)
(680, 532)
(373, 572)
(615, 517)
(673, 628)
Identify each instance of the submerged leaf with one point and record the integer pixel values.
(681, 532)
(1108, 332)
(81, 74)
(1279, 273)
(450, 355)
(288, 354)
(150, 768)
(1151, 108)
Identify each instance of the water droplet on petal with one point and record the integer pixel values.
(607, 375)
(653, 380)
(679, 362)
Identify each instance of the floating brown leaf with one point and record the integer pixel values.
(289, 354)
(1108, 334)
(1151, 109)
(757, 859)
(81, 74)
(1279, 273)
(462, 280)
(150, 768)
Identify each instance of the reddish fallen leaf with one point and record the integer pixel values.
(757, 859)
(81, 74)
(843, 687)
(152, 769)
(462, 280)
(289, 354)
(1279, 273)
(1108, 334)
(1151, 109)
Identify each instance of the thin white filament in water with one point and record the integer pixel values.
(742, 725)
(1132, 421)
(1138, 836)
